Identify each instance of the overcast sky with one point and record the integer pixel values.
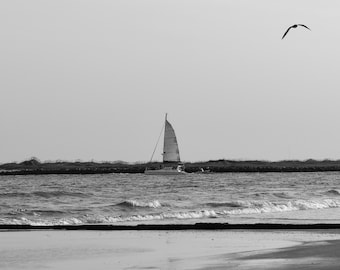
(93, 79)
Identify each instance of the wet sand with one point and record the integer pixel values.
(309, 255)
(191, 249)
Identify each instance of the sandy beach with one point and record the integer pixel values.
(196, 249)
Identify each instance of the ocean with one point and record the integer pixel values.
(120, 199)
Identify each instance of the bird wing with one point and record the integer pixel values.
(286, 32)
(305, 26)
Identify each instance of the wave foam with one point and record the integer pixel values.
(41, 222)
(162, 216)
(135, 203)
(243, 208)
(257, 207)
(99, 219)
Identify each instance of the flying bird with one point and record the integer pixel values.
(294, 26)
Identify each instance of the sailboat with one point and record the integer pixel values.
(172, 164)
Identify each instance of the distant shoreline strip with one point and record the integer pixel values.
(174, 227)
(188, 170)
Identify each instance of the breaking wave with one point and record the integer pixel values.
(161, 216)
(333, 192)
(110, 219)
(36, 212)
(257, 207)
(41, 222)
(234, 208)
(135, 203)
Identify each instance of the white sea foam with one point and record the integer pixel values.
(254, 207)
(115, 199)
(111, 219)
(41, 222)
(135, 203)
(162, 216)
(248, 207)
(245, 208)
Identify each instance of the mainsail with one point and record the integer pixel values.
(170, 149)
(172, 164)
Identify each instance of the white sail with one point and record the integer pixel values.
(170, 149)
(171, 161)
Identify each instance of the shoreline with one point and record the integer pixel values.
(173, 227)
(323, 254)
(35, 167)
(82, 171)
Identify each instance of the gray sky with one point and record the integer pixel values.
(93, 79)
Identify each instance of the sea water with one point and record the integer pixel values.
(143, 199)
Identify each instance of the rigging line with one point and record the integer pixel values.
(157, 143)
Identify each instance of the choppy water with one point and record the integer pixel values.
(138, 198)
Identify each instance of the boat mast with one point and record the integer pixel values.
(166, 116)
(160, 134)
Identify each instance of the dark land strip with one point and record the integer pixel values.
(174, 227)
(35, 167)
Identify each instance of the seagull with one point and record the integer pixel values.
(294, 26)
